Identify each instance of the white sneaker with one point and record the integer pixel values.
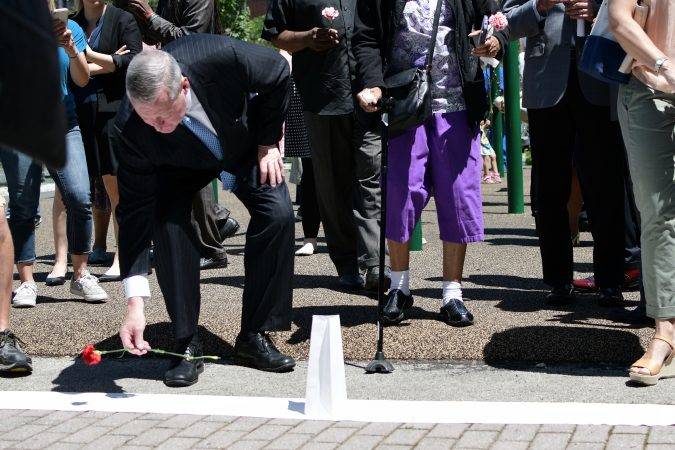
(25, 295)
(306, 250)
(87, 287)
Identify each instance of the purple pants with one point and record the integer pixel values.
(441, 158)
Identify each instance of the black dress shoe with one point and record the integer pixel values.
(258, 351)
(228, 229)
(562, 295)
(184, 372)
(455, 313)
(352, 282)
(212, 263)
(397, 303)
(611, 297)
(55, 281)
(373, 278)
(109, 278)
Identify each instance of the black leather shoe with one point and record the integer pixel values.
(373, 278)
(258, 351)
(611, 297)
(455, 313)
(212, 263)
(397, 303)
(562, 295)
(184, 372)
(55, 281)
(12, 357)
(352, 282)
(109, 278)
(228, 229)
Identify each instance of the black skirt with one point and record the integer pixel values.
(296, 140)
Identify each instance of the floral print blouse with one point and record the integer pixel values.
(411, 43)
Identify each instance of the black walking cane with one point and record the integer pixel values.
(379, 364)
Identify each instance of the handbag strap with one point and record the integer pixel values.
(434, 33)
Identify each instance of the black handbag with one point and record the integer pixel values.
(411, 90)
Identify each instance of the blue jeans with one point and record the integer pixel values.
(23, 183)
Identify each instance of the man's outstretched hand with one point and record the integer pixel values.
(271, 165)
(133, 327)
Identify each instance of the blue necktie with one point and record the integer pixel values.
(210, 140)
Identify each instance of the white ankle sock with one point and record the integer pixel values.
(399, 280)
(451, 290)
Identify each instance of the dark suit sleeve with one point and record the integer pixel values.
(137, 183)
(366, 45)
(522, 18)
(265, 72)
(131, 37)
(197, 16)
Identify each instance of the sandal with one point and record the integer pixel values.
(657, 370)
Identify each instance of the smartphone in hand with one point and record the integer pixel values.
(61, 14)
(483, 31)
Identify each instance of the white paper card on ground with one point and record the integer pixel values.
(326, 392)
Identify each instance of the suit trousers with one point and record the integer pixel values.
(346, 162)
(206, 214)
(268, 258)
(599, 157)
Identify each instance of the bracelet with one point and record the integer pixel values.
(73, 57)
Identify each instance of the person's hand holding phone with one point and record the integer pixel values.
(64, 37)
(489, 49)
(322, 39)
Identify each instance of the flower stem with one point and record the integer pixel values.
(161, 352)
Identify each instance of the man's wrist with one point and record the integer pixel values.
(135, 303)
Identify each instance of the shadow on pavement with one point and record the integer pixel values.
(558, 344)
(350, 316)
(102, 378)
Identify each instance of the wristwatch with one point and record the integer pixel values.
(658, 65)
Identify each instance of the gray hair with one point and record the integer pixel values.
(149, 72)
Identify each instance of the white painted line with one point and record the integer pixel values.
(356, 410)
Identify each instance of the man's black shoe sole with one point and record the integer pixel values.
(184, 383)
(247, 362)
(214, 265)
(16, 368)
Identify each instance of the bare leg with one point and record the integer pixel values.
(399, 255)
(658, 350)
(101, 220)
(486, 166)
(6, 270)
(111, 188)
(60, 241)
(453, 261)
(493, 164)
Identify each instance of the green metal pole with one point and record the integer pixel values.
(497, 121)
(214, 185)
(514, 151)
(415, 244)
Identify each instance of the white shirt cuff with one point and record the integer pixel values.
(536, 12)
(136, 286)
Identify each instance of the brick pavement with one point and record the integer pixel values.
(106, 430)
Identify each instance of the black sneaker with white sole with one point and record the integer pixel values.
(12, 357)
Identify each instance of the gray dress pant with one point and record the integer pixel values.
(346, 162)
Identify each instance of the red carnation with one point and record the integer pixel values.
(91, 356)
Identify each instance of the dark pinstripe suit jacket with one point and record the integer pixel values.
(223, 73)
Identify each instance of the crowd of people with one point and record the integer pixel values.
(159, 104)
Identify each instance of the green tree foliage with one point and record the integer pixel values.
(236, 21)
